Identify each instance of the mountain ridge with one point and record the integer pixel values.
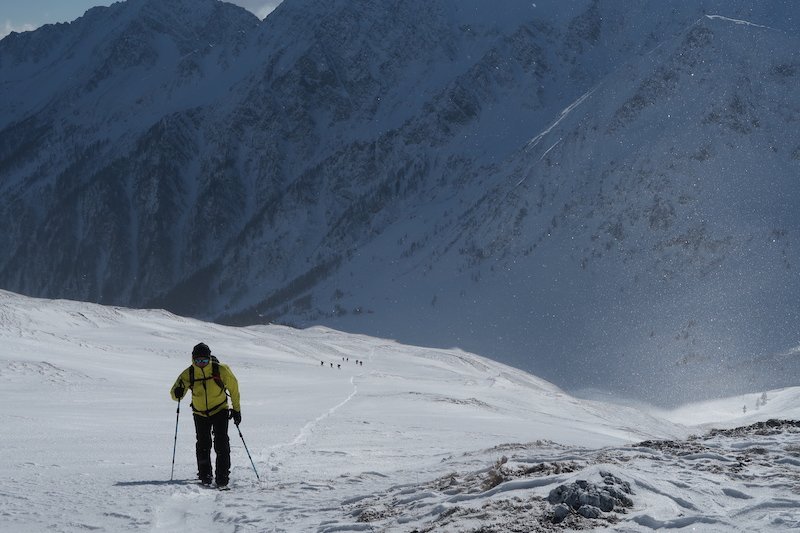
(573, 190)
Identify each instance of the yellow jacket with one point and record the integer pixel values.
(208, 398)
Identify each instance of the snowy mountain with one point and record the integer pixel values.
(411, 439)
(599, 192)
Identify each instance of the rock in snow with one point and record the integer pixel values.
(415, 439)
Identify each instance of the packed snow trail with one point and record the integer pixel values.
(89, 431)
(308, 429)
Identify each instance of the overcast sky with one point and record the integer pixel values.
(24, 15)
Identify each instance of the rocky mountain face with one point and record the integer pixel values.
(603, 193)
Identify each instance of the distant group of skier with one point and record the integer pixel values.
(215, 400)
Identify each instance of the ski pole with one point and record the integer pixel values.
(175, 444)
(248, 453)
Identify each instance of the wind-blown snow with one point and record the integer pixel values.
(533, 142)
(738, 21)
(602, 193)
(411, 439)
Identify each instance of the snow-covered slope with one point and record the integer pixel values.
(600, 192)
(410, 437)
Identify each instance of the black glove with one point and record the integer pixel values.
(237, 417)
(178, 392)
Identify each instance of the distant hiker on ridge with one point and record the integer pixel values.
(208, 379)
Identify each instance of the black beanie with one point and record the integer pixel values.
(201, 349)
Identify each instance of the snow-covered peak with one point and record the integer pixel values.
(599, 192)
(129, 47)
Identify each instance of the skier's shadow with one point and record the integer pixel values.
(155, 482)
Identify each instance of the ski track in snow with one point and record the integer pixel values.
(413, 439)
(740, 22)
(285, 502)
(308, 429)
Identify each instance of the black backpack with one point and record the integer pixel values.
(215, 375)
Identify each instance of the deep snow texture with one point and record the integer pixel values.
(413, 438)
(601, 193)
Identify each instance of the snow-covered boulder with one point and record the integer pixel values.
(591, 499)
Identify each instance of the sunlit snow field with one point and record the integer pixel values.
(406, 441)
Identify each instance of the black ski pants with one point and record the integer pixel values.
(204, 427)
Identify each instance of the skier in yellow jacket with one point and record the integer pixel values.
(208, 379)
